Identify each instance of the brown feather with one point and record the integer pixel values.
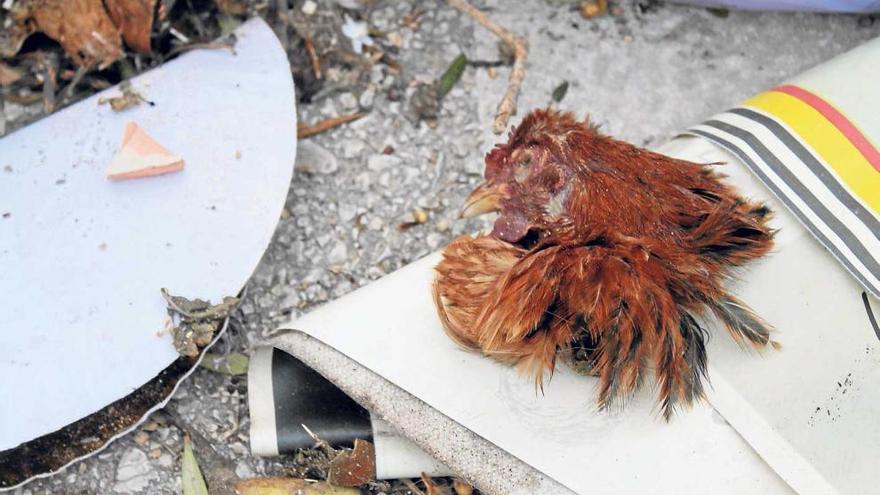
(604, 249)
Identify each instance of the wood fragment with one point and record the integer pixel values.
(411, 20)
(507, 106)
(307, 130)
(313, 56)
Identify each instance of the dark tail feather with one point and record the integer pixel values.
(695, 355)
(742, 323)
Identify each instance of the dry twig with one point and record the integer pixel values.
(308, 130)
(313, 56)
(507, 107)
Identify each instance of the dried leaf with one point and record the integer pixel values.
(190, 475)
(353, 467)
(233, 364)
(8, 74)
(288, 486)
(452, 75)
(129, 98)
(83, 28)
(560, 91)
(134, 18)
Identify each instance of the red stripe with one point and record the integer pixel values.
(843, 124)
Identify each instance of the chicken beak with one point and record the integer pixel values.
(484, 199)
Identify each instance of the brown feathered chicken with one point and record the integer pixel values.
(603, 252)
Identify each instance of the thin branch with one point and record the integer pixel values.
(507, 107)
(313, 56)
(307, 130)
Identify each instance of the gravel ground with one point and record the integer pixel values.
(643, 73)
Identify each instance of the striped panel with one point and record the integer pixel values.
(819, 165)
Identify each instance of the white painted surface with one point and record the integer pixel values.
(82, 258)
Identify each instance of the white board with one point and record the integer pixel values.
(82, 258)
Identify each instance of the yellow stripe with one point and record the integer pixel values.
(845, 160)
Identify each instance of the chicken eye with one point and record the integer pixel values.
(522, 169)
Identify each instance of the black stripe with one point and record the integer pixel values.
(819, 170)
(857, 248)
(870, 314)
(785, 200)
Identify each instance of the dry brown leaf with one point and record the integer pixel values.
(82, 27)
(8, 74)
(354, 467)
(135, 20)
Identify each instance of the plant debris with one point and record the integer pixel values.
(353, 467)
(83, 27)
(198, 320)
(308, 130)
(451, 76)
(507, 106)
(234, 364)
(560, 91)
(129, 98)
(191, 480)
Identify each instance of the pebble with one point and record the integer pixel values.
(338, 254)
(435, 240)
(377, 163)
(348, 102)
(309, 7)
(312, 158)
(134, 472)
(366, 99)
(352, 148)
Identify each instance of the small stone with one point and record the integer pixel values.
(348, 102)
(378, 163)
(375, 224)
(442, 225)
(338, 254)
(366, 99)
(395, 39)
(141, 438)
(165, 460)
(243, 471)
(312, 158)
(134, 472)
(434, 240)
(352, 148)
(347, 212)
(309, 7)
(420, 216)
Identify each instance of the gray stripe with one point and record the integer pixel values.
(791, 207)
(819, 170)
(834, 223)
